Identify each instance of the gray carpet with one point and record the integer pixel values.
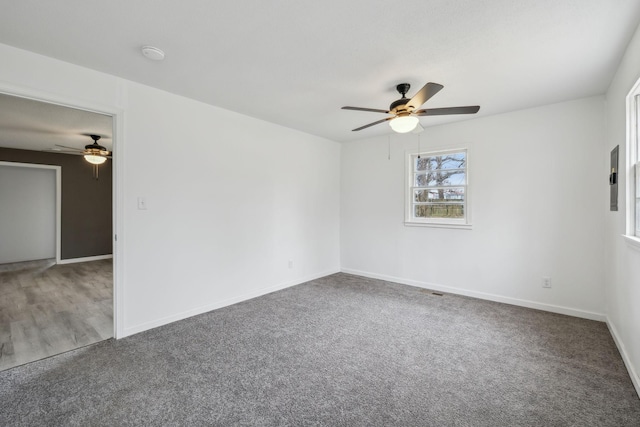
(338, 351)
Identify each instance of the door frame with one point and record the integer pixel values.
(117, 115)
(58, 207)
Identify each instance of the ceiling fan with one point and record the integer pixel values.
(93, 153)
(405, 111)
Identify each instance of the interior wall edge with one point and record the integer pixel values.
(635, 379)
(568, 311)
(132, 330)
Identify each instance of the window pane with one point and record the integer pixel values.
(637, 165)
(422, 164)
(637, 118)
(439, 211)
(451, 161)
(638, 217)
(446, 161)
(637, 172)
(425, 195)
(440, 179)
(637, 183)
(439, 195)
(425, 180)
(450, 178)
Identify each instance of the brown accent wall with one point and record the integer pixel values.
(86, 203)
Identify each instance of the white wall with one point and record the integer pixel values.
(623, 261)
(230, 199)
(27, 214)
(537, 210)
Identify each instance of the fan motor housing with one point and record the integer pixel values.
(396, 105)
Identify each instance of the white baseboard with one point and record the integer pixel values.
(625, 357)
(219, 304)
(482, 295)
(85, 259)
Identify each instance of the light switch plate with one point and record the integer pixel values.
(142, 203)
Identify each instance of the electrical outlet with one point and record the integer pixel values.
(546, 282)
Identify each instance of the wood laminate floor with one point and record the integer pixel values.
(47, 309)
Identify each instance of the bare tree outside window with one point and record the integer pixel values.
(438, 185)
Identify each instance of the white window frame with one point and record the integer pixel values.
(632, 170)
(410, 219)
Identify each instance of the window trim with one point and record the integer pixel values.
(632, 165)
(409, 220)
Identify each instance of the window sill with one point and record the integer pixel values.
(632, 241)
(438, 225)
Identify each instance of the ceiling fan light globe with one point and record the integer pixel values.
(404, 124)
(95, 160)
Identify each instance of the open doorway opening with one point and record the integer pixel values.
(54, 303)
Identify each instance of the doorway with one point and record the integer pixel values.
(53, 304)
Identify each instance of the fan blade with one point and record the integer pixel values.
(371, 124)
(70, 148)
(73, 153)
(373, 110)
(424, 95)
(56, 150)
(472, 109)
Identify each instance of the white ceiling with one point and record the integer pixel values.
(296, 62)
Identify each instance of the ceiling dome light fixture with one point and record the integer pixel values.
(153, 53)
(95, 160)
(404, 124)
(95, 153)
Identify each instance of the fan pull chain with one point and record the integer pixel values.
(389, 147)
(95, 172)
(418, 145)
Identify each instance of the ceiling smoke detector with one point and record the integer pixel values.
(153, 53)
